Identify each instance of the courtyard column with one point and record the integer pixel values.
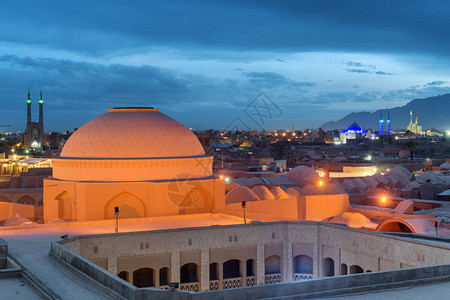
(286, 270)
(204, 270)
(112, 265)
(156, 278)
(220, 271)
(243, 270)
(317, 253)
(175, 266)
(260, 264)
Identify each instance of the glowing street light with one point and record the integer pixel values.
(321, 183)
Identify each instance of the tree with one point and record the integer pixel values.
(411, 145)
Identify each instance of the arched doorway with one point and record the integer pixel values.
(129, 206)
(355, 269)
(65, 201)
(4, 199)
(164, 276)
(188, 273)
(231, 269)
(250, 270)
(143, 277)
(328, 267)
(303, 264)
(124, 275)
(214, 271)
(26, 200)
(344, 269)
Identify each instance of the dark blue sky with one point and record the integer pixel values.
(202, 62)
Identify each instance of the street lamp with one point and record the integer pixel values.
(116, 212)
(243, 208)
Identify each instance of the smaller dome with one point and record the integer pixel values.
(301, 174)
(279, 193)
(263, 193)
(239, 194)
(354, 126)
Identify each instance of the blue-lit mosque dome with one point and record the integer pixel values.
(354, 127)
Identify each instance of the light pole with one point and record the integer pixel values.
(116, 212)
(243, 207)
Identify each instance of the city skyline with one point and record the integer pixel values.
(204, 63)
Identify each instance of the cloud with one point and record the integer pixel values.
(435, 83)
(114, 27)
(358, 71)
(383, 73)
(358, 64)
(276, 79)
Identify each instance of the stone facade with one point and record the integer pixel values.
(242, 255)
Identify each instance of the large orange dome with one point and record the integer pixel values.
(132, 133)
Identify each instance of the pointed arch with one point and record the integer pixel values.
(129, 206)
(26, 200)
(65, 201)
(4, 199)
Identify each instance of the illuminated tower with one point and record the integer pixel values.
(388, 125)
(416, 117)
(41, 119)
(34, 132)
(28, 108)
(381, 123)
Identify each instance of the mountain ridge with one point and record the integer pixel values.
(433, 112)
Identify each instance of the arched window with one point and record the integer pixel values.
(272, 265)
(344, 269)
(123, 275)
(250, 267)
(214, 271)
(303, 264)
(355, 269)
(188, 273)
(163, 276)
(231, 269)
(143, 277)
(328, 267)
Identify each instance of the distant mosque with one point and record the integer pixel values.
(34, 132)
(353, 134)
(414, 127)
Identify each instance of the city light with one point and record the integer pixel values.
(320, 183)
(227, 180)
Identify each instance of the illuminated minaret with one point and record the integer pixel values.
(41, 109)
(28, 128)
(28, 108)
(416, 117)
(381, 123)
(410, 117)
(388, 127)
(41, 119)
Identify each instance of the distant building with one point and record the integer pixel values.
(353, 134)
(34, 132)
(414, 127)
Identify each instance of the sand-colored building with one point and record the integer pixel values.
(137, 159)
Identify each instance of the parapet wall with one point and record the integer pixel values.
(305, 289)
